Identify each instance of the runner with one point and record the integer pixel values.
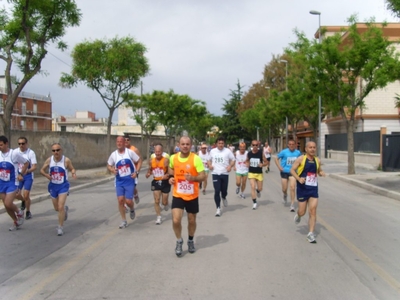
(267, 153)
(221, 162)
(205, 157)
(255, 162)
(287, 157)
(26, 182)
(122, 163)
(138, 166)
(55, 169)
(186, 170)
(241, 169)
(158, 166)
(9, 180)
(305, 170)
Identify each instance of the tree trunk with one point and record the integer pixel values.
(109, 122)
(350, 146)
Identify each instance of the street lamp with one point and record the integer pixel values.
(286, 88)
(314, 12)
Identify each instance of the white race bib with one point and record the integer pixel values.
(311, 179)
(158, 172)
(57, 178)
(185, 187)
(254, 162)
(290, 161)
(124, 171)
(4, 175)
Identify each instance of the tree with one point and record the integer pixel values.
(348, 67)
(110, 67)
(394, 6)
(26, 31)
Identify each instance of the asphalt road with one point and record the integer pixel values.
(244, 254)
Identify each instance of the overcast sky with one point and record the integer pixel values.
(200, 48)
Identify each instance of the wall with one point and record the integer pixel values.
(359, 157)
(85, 150)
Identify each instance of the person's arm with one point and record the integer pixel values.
(320, 171)
(149, 170)
(44, 169)
(295, 165)
(70, 167)
(278, 164)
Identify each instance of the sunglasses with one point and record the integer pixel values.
(21, 144)
(55, 150)
(254, 145)
(203, 148)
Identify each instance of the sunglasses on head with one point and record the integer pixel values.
(55, 150)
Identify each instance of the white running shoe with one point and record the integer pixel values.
(132, 214)
(14, 227)
(297, 218)
(166, 207)
(225, 202)
(258, 193)
(158, 221)
(218, 213)
(124, 224)
(284, 198)
(127, 209)
(311, 238)
(20, 218)
(137, 199)
(292, 208)
(254, 206)
(60, 231)
(237, 190)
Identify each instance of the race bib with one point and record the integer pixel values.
(4, 175)
(219, 159)
(311, 179)
(57, 178)
(254, 162)
(124, 171)
(158, 172)
(290, 161)
(185, 187)
(205, 164)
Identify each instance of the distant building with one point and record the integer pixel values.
(83, 121)
(32, 112)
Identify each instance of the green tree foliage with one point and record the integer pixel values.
(394, 6)
(109, 67)
(232, 130)
(348, 67)
(26, 30)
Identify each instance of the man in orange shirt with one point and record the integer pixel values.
(158, 166)
(186, 170)
(138, 166)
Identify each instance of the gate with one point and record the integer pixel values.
(391, 152)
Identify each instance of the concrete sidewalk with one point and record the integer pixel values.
(384, 183)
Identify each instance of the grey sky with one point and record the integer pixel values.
(200, 48)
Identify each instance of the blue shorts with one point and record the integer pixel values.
(26, 184)
(305, 194)
(56, 189)
(126, 191)
(7, 187)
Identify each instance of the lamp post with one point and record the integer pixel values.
(286, 88)
(314, 12)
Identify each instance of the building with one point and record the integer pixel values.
(32, 112)
(83, 121)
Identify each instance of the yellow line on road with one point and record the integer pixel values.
(68, 265)
(373, 266)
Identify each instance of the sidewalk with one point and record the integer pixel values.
(383, 183)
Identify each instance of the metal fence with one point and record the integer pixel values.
(367, 142)
(391, 152)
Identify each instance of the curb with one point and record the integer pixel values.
(46, 196)
(369, 187)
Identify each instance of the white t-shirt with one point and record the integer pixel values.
(220, 160)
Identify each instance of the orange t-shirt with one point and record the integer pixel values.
(186, 190)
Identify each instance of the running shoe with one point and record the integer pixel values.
(14, 226)
(166, 207)
(291, 208)
(23, 205)
(178, 248)
(137, 199)
(20, 218)
(204, 192)
(191, 247)
(158, 221)
(127, 209)
(254, 206)
(311, 238)
(28, 215)
(132, 214)
(258, 193)
(66, 208)
(297, 218)
(60, 231)
(242, 196)
(284, 198)
(218, 213)
(123, 224)
(225, 202)
(237, 190)
(266, 171)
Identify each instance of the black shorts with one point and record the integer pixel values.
(269, 158)
(285, 175)
(191, 206)
(161, 185)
